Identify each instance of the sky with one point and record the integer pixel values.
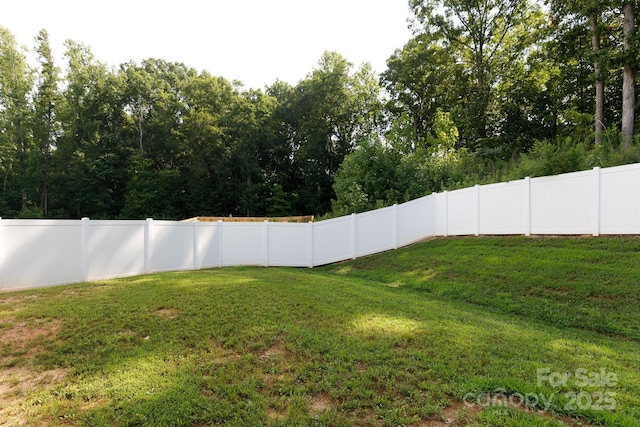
(253, 41)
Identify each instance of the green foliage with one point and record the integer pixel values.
(30, 212)
(546, 158)
(277, 203)
(381, 173)
(401, 338)
(422, 77)
(331, 110)
(161, 139)
(482, 92)
(46, 125)
(479, 35)
(367, 178)
(16, 115)
(444, 139)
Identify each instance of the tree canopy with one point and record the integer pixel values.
(481, 92)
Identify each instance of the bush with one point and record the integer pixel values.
(30, 212)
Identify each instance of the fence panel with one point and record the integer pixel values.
(172, 246)
(416, 220)
(115, 249)
(209, 245)
(375, 231)
(332, 241)
(441, 213)
(243, 243)
(289, 244)
(563, 204)
(462, 210)
(503, 208)
(620, 200)
(41, 253)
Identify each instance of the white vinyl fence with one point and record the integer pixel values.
(37, 253)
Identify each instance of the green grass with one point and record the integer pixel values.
(586, 283)
(402, 338)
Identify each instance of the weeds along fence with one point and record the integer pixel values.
(35, 253)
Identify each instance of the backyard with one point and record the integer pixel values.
(488, 331)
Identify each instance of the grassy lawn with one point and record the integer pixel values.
(473, 331)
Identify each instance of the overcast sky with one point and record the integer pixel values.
(254, 41)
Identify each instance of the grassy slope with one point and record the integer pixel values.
(394, 339)
(592, 284)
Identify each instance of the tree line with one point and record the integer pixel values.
(481, 92)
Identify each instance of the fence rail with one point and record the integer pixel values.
(35, 253)
(301, 219)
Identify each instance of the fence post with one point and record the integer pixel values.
(148, 242)
(477, 219)
(266, 242)
(354, 236)
(396, 226)
(596, 202)
(85, 249)
(220, 222)
(527, 206)
(196, 244)
(311, 244)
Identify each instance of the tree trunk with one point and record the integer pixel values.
(140, 132)
(629, 76)
(44, 202)
(595, 46)
(249, 201)
(22, 164)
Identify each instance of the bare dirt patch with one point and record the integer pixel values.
(278, 349)
(11, 300)
(168, 313)
(274, 362)
(22, 380)
(457, 414)
(220, 355)
(317, 404)
(271, 379)
(277, 414)
(21, 343)
(320, 403)
(24, 339)
(14, 303)
(14, 299)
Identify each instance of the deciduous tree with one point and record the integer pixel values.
(45, 123)
(330, 111)
(16, 140)
(592, 14)
(478, 31)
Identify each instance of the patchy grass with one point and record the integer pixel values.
(449, 332)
